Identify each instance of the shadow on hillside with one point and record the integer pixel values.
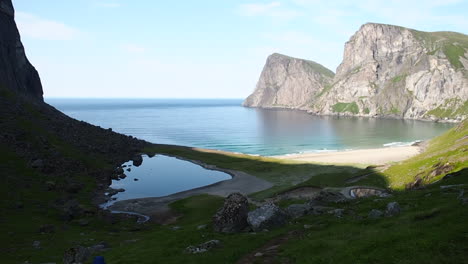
(283, 174)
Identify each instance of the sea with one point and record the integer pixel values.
(223, 124)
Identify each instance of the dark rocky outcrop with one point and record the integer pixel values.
(17, 75)
(232, 217)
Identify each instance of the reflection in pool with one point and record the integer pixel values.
(162, 175)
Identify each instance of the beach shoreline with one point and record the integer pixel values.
(375, 156)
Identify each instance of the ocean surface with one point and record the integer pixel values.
(225, 125)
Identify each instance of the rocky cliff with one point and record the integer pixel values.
(16, 73)
(288, 82)
(399, 72)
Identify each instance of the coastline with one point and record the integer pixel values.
(376, 156)
(157, 207)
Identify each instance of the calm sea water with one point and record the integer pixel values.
(226, 125)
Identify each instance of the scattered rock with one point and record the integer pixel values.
(200, 227)
(298, 210)
(441, 169)
(393, 209)
(50, 185)
(80, 254)
(416, 184)
(137, 160)
(267, 216)
(135, 179)
(122, 176)
(443, 187)
(318, 210)
(76, 255)
(337, 212)
(374, 213)
(175, 228)
(129, 169)
(83, 222)
(331, 196)
(367, 192)
(258, 254)
(307, 226)
(232, 217)
(204, 247)
(47, 229)
(36, 244)
(37, 164)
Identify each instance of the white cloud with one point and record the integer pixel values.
(133, 48)
(32, 26)
(273, 9)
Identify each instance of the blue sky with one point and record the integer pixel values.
(198, 49)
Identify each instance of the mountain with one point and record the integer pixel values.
(49, 160)
(393, 71)
(288, 82)
(16, 73)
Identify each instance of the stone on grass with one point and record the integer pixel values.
(232, 217)
(298, 210)
(267, 216)
(374, 213)
(393, 209)
(204, 247)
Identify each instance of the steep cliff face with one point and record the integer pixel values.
(288, 82)
(16, 74)
(386, 71)
(394, 71)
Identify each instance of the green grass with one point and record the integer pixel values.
(449, 148)
(454, 45)
(366, 110)
(454, 53)
(398, 78)
(346, 107)
(451, 108)
(326, 89)
(430, 228)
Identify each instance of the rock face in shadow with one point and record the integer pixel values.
(16, 73)
(288, 82)
(387, 70)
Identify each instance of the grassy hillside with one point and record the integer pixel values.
(432, 225)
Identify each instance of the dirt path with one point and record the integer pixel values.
(269, 252)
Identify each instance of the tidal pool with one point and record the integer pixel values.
(162, 175)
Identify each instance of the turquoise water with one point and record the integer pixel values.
(226, 125)
(162, 175)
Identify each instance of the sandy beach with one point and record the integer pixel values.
(361, 156)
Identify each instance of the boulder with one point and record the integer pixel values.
(267, 216)
(374, 213)
(339, 213)
(76, 254)
(298, 210)
(393, 209)
(137, 160)
(232, 217)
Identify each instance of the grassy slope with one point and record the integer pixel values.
(449, 149)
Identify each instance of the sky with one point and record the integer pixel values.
(199, 49)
